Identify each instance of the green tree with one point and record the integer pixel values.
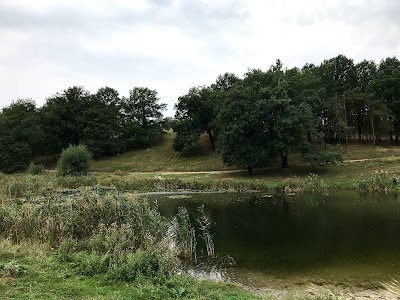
(102, 130)
(142, 117)
(63, 118)
(386, 87)
(197, 110)
(338, 75)
(259, 122)
(194, 115)
(21, 135)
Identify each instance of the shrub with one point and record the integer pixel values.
(291, 185)
(379, 181)
(34, 169)
(313, 184)
(74, 161)
(11, 269)
(155, 264)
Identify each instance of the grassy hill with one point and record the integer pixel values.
(162, 158)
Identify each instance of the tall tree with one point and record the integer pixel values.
(142, 112)
(196, 111)
(259, 121)
(338, 75)
(63, 117)
(361, 104)
(102, 131)
(21, 135)
(387, 88)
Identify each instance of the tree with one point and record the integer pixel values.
(259, 122)
(142, 117)
(194, 114)
(386, 87)
(102, 131)
(197, 110)
(338, 75)
(21, 135)
(361, 103)
(63, 118)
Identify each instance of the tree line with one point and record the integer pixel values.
(269, 114)
(105, 122)
(250, 120)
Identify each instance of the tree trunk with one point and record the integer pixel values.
(211, 137)
(285, 163)
(250, 170)
(373, 130)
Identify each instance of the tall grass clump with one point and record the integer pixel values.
(312, 183)
(177, 184)
(34, 169)
(184, 234)
(379, 181)
(74, 161)
(205, 224)
(61, 216)
(291, 185)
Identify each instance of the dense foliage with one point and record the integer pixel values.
(104, 122)
(262, 116)
(74, 161)
(269, 114)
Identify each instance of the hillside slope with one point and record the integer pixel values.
(163, 158)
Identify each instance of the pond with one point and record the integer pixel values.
(278, 241)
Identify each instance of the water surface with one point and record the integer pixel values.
(278, 241)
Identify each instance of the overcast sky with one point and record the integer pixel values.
(47, 46)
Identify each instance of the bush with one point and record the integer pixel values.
(11, 269)
(291, 185)
(74, 161)
(35, 169)
(377, 182)
(312, 183)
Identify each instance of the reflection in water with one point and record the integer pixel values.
(344, 238)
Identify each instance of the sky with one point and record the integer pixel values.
(47, 46)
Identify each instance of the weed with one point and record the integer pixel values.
(205, 224)
(11, 269)
(312, 183)
(34, 169)
(379, 181)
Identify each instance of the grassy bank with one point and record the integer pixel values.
(96, 243)
(41, 275)
(341, 176)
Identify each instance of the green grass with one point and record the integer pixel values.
(161, 158)
(44, 277)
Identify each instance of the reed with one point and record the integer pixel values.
(205, 224)
(378, 181)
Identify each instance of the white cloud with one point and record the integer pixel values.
(172, 45)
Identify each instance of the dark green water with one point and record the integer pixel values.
(344, 238)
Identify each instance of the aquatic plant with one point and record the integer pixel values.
(378, 181)
(291, 185)
(184, 234)
(312, 183)
(205, 224)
